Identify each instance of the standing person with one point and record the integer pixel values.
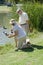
(18, 33)
(23, 20)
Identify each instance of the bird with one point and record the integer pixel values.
(4, 27)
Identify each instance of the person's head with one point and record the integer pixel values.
(12, 22)
(19, 11)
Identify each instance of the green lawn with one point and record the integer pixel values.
(8, 55)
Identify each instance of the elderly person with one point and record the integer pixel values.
(23, 20)
(18, 33)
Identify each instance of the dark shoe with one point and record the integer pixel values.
(29, 45)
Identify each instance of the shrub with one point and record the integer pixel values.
(14, 14)
(35, 13)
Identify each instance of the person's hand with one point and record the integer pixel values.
(11, 31)
(6, 33)
(9, 36)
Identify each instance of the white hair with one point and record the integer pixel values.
(18, 10)
(12, 21)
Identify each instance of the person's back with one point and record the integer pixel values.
(21, 32)
(18, 33)
(23, 17)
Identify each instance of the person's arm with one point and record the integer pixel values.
(27, 18)
(27, 21)
(13, 34)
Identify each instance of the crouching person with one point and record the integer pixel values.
(18, 33)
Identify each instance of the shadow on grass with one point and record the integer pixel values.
(37, 46)
(32, 48)
(28, 49)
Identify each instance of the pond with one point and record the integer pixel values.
(4, 21)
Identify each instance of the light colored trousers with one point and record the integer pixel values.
(25, 27)
(21, 42)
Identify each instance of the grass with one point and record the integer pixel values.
(8, 55)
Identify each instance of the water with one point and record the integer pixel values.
(4, 21)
